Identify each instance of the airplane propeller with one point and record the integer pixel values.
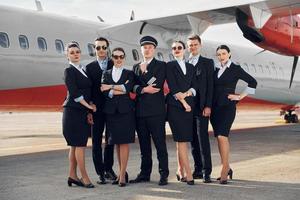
(293, 70)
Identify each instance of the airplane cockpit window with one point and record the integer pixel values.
(160, 56)
(91, 49)
(23, 41)
(135, 55)
(4, 41)
(59, 45)
(171, 57)
(42, 44)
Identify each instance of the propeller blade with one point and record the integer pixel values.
(132, 17)
(293, 70)
(260, 52)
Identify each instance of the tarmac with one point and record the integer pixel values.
(265, 158)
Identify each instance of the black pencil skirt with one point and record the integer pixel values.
(222, 118)
(181, 123)
(120, 128)
(76, 130)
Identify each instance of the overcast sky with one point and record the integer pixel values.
(118, 11)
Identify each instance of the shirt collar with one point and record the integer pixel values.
(194, 57)
(118, 68)
(227, 64)
(149, 61)
(76, 65)
(180, 60)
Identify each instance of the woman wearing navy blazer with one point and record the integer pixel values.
(226, 77)
(181, 82)
(119, 109)
(75, 127)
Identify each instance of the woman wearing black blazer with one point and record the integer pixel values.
(181, 82)
(224, 103)
(119, 109)
(75, 127)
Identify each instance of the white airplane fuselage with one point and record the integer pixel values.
(32, 67)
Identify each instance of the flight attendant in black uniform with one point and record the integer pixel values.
(103, 163)
(181, 80)
(75, 127)
(224, 103)
(150, 111)
(119, 109)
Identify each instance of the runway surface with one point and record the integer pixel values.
(265, 160)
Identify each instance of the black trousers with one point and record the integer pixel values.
(101, 163)
(147, 128)
(201, 146)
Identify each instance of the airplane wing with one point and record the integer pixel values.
(196, 20)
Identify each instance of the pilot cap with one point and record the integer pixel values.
(148, 40)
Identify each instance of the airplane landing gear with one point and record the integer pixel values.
(291, 118)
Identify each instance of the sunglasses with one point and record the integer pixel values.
(179, 48)
(100, 47)
(75, 52)
(117, 57)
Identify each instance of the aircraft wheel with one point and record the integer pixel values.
(294, 118)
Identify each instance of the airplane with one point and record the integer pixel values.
(32, 57)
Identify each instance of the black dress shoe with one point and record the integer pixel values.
(197, 175)
(73, 181)
(101, 179)
(206, 179)
(110, 174)
(163, 181)
(140, 178)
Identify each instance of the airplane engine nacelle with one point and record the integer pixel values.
(280, 34)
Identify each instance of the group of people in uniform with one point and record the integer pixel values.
(99, 96)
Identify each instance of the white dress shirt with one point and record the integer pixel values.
(103, 63)
(116, 75)
(194, 59)
(223, 68)
(79, 68)
(182, 65)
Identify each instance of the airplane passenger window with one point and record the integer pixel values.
(91, 49)
(253, 68)
(135, 54)
(23, 41)
(268, 69)
(261, 68)
(160, 56)
(245, 67)
(4, 41)
(275, 70)
(171, 57)
(42, 44)
(282, 72)
(59, 45)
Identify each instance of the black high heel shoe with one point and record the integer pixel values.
(73, 181)
(230, 174)
(191, 182)
(183, 179)
(88, 185)
(116, 182)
